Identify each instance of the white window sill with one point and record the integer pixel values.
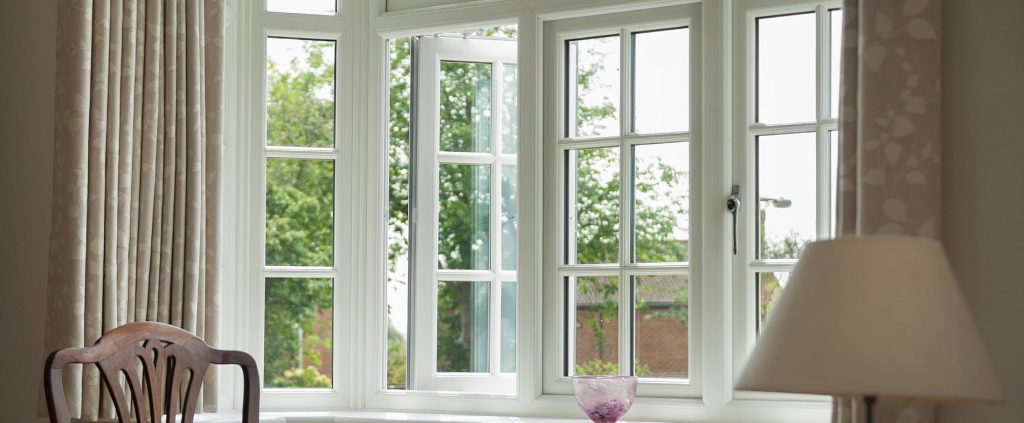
(364, 416)
(740, 411)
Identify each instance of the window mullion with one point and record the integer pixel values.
(822, 104)
(494, 341)
(568, 161)
(572, 57)
(823, 176)
(823, 110)
(625, 205)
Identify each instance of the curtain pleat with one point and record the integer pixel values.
(889, 118)
(136, 170)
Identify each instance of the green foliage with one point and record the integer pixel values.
(590, 118)
(300, 212)
(597, 367)
(300, 97)
(597, 205)
(300, 215)
(657, 220)
(293, 304)
(301, 378)
(396, 359)
(459, 305)
(399, 151)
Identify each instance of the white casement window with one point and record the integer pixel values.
(463, 215)
(287, 173)
(423, 217)
(620, 142)
(787, 148)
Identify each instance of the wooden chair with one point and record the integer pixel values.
(171, 360)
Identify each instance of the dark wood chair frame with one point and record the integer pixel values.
(166, 354)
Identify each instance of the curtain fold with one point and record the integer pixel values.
(889, 163)
(136, 176)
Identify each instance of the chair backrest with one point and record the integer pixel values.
(163, 366)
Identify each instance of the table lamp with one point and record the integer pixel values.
(872, 317)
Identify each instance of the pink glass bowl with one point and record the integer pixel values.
(604, 399)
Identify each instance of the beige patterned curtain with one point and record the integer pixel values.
(889, 138)
(137, 151)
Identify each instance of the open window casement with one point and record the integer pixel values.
(463, 215)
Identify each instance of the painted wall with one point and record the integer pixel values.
(29, 32)
(983, 146)
(983, 183)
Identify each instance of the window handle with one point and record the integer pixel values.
(732, 204)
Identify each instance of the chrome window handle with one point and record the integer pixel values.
(732, 204)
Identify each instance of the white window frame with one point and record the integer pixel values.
(431, 51)
(557, 143)
(245, 174)
(746, 264)
(361, 29)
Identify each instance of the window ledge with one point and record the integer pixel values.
(738, 411)
(364, 416)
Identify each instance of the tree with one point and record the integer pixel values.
(299, 216)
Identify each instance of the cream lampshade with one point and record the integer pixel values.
(873, 317)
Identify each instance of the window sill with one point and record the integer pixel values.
(364, 416)
(737, 411)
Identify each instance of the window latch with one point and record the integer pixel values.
(732, 204)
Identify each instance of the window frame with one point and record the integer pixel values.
(361, 30)
(245, 174)
(424, 215)
(746, 265)
(558, 344)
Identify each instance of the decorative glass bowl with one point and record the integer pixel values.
(604, 399)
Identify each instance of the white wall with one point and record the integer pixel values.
(983, 183)
(28, 31)
(983, 144)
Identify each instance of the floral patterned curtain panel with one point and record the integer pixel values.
(137, 152)
(889, 137)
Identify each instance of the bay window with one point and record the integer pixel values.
(456, 206)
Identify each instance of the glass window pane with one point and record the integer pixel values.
(311, 7)
(300, 92)
(463, 326)
(464, 218)
(787, 194)
(593, 65)
(835, 48)
(662, 313)
(399, 150)
(785, 68)
(661, 81)
(508, 327)
(833, 185)
(661, 195)
(593, 208)
(769, 287)
(300, 212)
(509, 216)
(298, 333)
(597, 325)
(510, 109)
(465, 106)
